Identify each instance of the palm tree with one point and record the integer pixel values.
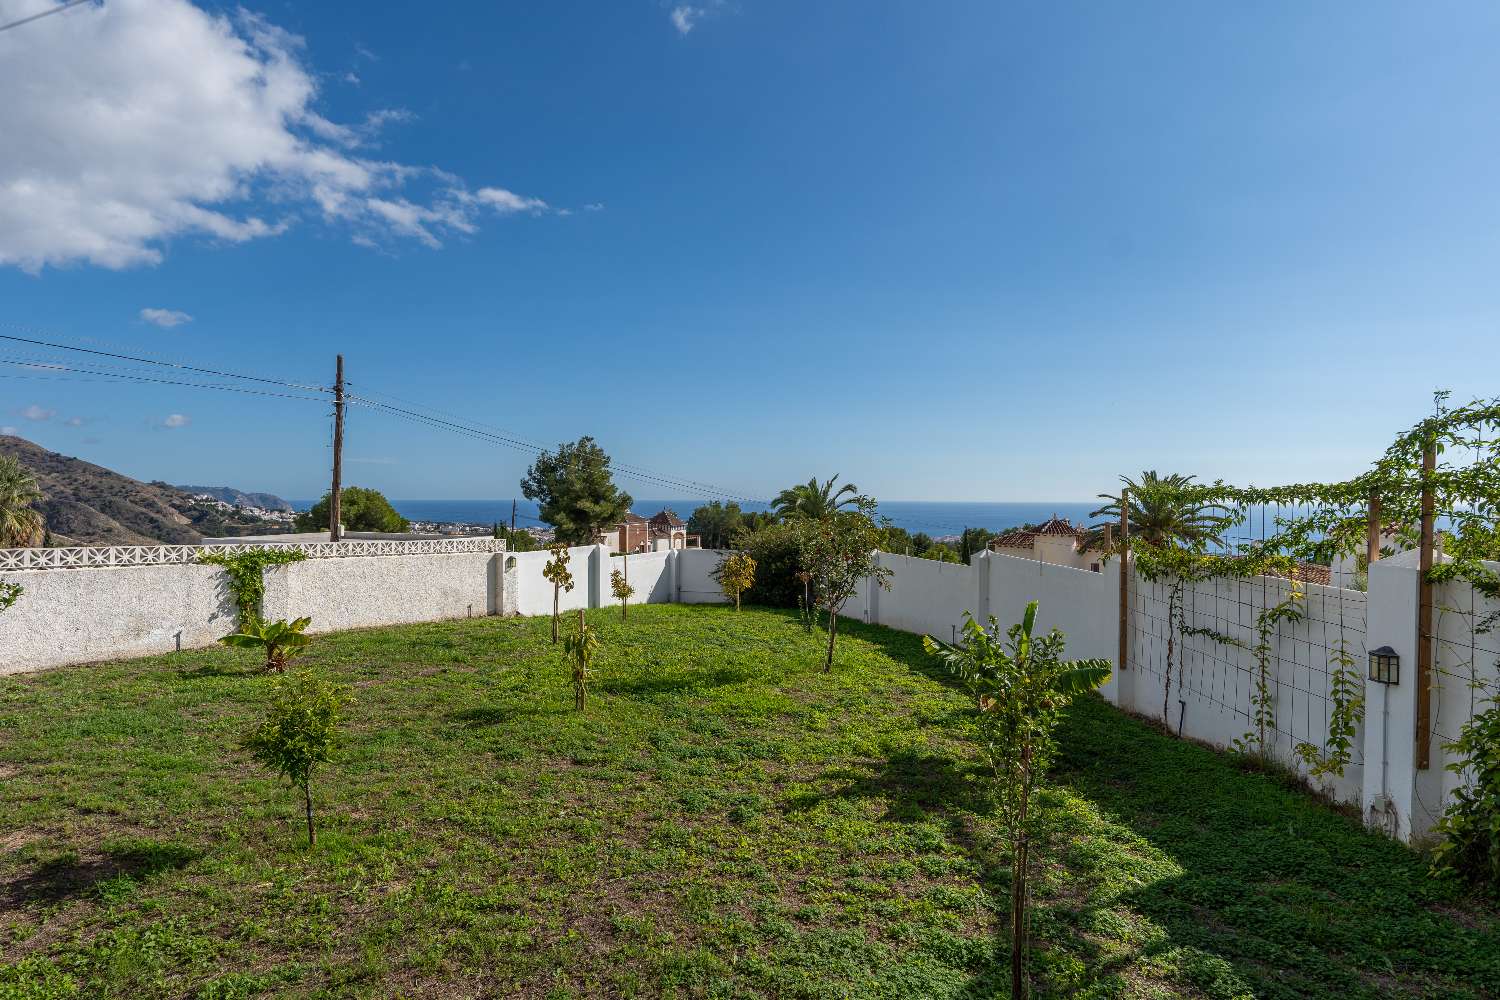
(1168, 510)
(20, 523)
(814, 500)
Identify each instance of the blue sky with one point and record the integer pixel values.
(952, 251)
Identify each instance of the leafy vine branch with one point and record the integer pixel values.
(1465, 494)
(246, 576)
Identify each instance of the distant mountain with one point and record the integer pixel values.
(230, 495)
(87, 504)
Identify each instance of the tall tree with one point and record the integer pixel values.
(1168, 511)
(814, 500)
(575, 491)
(21, 524)
(971, 541)
(360, 508)
(718, 524)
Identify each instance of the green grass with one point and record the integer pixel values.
(724, 821)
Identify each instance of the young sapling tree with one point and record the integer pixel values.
(619, 585)
(579, 650)
(299, 733)
(736, 574)
(838, 552)
(1020, 685)
(556, 572)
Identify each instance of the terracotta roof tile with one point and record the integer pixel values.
(665, 518)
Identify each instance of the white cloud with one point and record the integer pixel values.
(38, 413)
(594, 206)
(138, 121)
(685, 16)
(165, 318)
(176, 420)
(10, 431)
(507, 202)
(74, 421)
(352, 77)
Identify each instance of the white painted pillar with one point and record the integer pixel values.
(598, 582)
(982, 566)
(1389, 781)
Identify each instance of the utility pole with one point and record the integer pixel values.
(335, 512)
(512, 516)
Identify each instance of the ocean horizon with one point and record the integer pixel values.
(934, 517)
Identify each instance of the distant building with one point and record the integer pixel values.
(668, 531)
(663, 530)
(1058, 541)
(633, 534)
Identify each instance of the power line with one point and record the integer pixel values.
(521, 444)
(466, 428)
(106, 376)
(46, 13)
(165, 364)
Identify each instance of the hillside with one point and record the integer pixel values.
(87, 504)
(239, 498)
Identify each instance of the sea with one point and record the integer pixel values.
(935, 518)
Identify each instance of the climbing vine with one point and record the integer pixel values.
(9, 594)
(246, 575)
(1263, 698)
(1346, 690)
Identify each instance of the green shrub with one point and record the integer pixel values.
(776, 551)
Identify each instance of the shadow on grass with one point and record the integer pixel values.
(222, 670)
(1233, 879)
(68, 876)
(676, 683)
(915, 787)
(484, 716)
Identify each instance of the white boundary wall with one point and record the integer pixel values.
(82, 606)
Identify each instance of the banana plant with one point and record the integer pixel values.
(282, 640)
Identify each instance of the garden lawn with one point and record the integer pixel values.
(725, 820)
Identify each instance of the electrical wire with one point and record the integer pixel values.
(165, 364)
(102, 376)
(70, 4)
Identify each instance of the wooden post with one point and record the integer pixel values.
(1424, 612)
(335, 512)
(1123, 659)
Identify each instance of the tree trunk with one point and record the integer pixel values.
(736, 600)
(833, 628)
(312, 836)
(554, 614)
(1018, 887)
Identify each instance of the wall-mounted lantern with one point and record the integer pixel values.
(1385, 666)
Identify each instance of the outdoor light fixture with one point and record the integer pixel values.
(1385, 666)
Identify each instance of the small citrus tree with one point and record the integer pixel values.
(579, 650)
(299, 733)
(838, 552)
(10, 593)
(736, 574)
(282, 640)
(619, 585)
(556, 571)
(1020, 685)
